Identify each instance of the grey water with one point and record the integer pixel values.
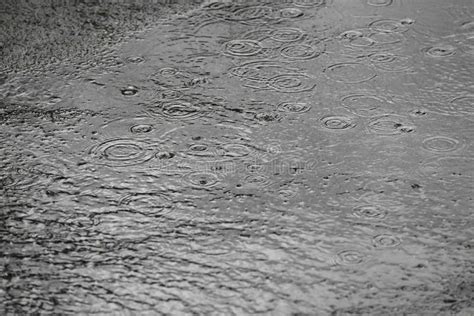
(303, 157)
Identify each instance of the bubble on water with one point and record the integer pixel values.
(388, 26)
(350, 72)
(287, 34)
(121, 152)
(300, 52)
(350, 257)
(242, 48)
(292, 83)
(380, 3)
(371, 212)
(390, 125)
(202, 180)
(441, 144)
(141, 128)
(290, 13)
(309, 3)
(294, 107)
(337, 122)
(385, 241)
(439, 51)
(391, 62)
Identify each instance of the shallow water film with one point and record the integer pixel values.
(303, 157)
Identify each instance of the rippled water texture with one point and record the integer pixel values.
(304, 157)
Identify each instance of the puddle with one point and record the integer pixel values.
(275, 157)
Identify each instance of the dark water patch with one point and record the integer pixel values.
(350, 72)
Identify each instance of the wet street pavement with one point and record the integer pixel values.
(304, 157)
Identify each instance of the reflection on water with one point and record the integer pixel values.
(290, 157)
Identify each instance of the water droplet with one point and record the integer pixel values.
(177, 110)
(350, 72)
(256, 181)
(135, 59)
(292, 83)
(300, 52)
(121, 152)
(290, 13)
(148, 203)
(385, 241)
(391, 62)
(462, 105)
(309, 3)
(439, 51)
(380, 3)
(441, 144)
(164, 155)
(369, 212)
(365, 105)
(294, 107)
(129, 91)
(250, 13)
(337, 122)
(350, 257)
(388, 26)
(287, 34)
(168, 95)
(390, 125)
(201, 180)
(234, 150)
(141, 128)
(242, 48)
